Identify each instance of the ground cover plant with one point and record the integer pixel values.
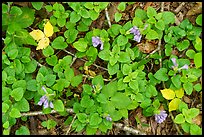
(101, 68)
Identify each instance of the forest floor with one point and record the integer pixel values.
(182, 10)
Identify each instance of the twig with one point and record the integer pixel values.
(118, 125)
(107, 16)
(70, 125)
(38, 63)
(157, 49)
(41, 113)
(88, 76)
(74, 59)
(177, 22)
(179, 7)
(126, 123)
(85, 60)
(177, 128)
(162, 6)
(125, 128)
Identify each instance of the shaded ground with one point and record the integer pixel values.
(148, 125)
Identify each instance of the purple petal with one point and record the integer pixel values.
(42, 100)
(97, 41)
(174, 62)
(137, 38)
(40, 103)
(46, 104)
(134, 30)
(51, 105)
(159, 118)
(101, 48)
(184, 67)
(108, 118)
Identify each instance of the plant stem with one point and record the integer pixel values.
(118, 125)
(179, 7)
(88, 76)
(107, 16)
(70, 125)
(85, 60)
(177, 128)
(125, 128)
(35, 113)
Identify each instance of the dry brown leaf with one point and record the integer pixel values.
(186, 99)
(197, 9)
(112, 10)
(23, 4)
(197, 120)
(89, 72)
(147, 5)
(148, 46)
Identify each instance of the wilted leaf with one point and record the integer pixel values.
(168, 94)
(173, 105)
(37, 34)
(195, 9)
(48, 29)
(179, 93)
(148, 46)
(43, 43)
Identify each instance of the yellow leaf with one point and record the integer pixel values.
(37, 34)
(173, 105)
(86, 68)
(92, 73)
(48, 29)
(168, 94)
(43, 43)
(89, 72)
(179, 93)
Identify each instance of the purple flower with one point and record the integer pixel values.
(136, 32)
(44, 100)
(108, 118)
(176, 65)
(184, 67)
(137, 38)
(174, 62)
(97, 41)
(159, 118)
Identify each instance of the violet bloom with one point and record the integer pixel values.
(136, 32)
(137, 38)
(108, 118)
(159, 118)
(174, 62)
(184, 67)
(176, 65)
(45, 102)
(97, 41)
